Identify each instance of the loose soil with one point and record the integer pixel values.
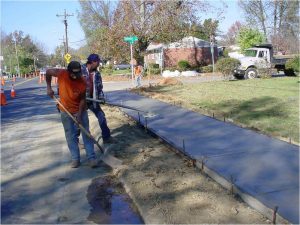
(165, 186)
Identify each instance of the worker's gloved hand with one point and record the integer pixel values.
(101, 98)
(77, 116)
(50, 92)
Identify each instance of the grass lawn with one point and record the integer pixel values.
(268, 105)
(116, 72)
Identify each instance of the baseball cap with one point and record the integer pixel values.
(94, 58)
(75, 68)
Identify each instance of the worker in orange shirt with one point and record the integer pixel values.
(72, 90)
(138, 73)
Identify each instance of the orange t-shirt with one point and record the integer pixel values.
(137, 71)
(70, 91)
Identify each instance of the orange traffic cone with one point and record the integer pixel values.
(12, 91)
(3, 98)
(2, 81)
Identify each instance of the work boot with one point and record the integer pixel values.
(75, 163)
(93, 163)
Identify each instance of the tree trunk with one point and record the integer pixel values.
(262, 17)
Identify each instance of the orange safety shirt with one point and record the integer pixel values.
(70, 91)
(137, 70)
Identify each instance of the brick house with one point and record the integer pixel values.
(194, 50)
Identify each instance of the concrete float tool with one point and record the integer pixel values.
(110, 160)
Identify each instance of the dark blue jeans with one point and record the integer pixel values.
(72, 133)
(101, 120)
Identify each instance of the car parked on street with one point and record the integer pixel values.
(122, 66)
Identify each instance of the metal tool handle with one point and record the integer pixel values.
(114, 104)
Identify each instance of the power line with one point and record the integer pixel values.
(77, 41)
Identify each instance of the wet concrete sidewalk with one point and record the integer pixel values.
(263, 170)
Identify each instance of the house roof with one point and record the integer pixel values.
(153, 46)
(187, 42)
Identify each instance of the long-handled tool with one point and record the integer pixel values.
(114, 104)
(148, 114)
(108, 159)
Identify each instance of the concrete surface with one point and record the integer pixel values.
(262, 168)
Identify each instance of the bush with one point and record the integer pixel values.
(293, 64)
(183, 65)
(206, 69)
(155, 71)
(107, 70)
(227, 65)
(153, 66)
(264, 73)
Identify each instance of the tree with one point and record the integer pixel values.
(255, 12)
(19, 50)
(205, 30)
(232, 33)
(149, 20)
(248, 37)
(277, 19)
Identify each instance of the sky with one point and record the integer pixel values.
(38, 19)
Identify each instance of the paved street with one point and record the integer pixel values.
(35, 168)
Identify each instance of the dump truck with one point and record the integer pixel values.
(261, 57)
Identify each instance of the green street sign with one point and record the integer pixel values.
(131, 39)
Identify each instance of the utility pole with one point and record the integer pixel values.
(34, 64)
(17, 55)
(66, 28)
(65, 49)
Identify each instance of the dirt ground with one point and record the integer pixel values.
(165, 186)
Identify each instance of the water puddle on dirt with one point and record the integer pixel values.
(110, 203)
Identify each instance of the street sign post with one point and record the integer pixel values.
(131, 40)
(212, 46)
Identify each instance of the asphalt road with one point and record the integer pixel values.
(37, 183)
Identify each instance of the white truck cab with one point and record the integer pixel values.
(255, 58)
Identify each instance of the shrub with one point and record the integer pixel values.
(183, 65)
(150, 71)
(264, 72)
(293, 64)
(153, 65)
(225, 53)
(107, 70)
(227, 65)
(206, 69)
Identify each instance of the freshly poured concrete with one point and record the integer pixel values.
(262, 167)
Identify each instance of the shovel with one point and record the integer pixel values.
(106, 158)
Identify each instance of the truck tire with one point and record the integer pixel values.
(289, 72)
(251, 73)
